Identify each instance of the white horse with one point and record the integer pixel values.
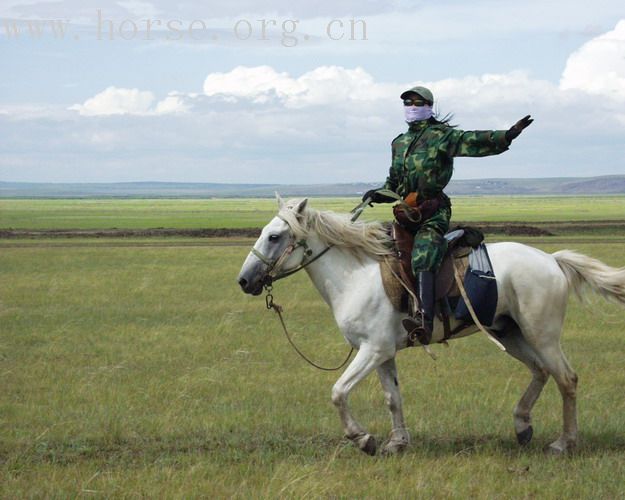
(533, 288)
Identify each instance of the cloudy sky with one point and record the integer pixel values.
(283, 91)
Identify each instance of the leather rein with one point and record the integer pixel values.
(275, 273)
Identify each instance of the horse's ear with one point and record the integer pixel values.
(280, 202)
(301, 206)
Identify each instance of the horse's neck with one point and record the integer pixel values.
(337, 272)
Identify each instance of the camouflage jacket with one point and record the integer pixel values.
(423, 156)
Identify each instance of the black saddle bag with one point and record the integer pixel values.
(481, 287)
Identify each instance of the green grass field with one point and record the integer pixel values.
(142, 370)
(182, 214)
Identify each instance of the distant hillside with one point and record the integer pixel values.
(609, 184)
(612, 184)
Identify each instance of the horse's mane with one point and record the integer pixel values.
(369, 238)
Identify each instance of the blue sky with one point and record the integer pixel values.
(301, 104)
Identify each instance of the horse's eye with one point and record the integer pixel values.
(274, 237)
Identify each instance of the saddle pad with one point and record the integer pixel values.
(396, 286)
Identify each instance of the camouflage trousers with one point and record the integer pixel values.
(429, 245)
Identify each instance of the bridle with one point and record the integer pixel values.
(275, 272)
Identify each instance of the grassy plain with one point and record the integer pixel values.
(213, 213)
(141, 370)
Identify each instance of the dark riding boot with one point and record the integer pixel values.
(420, 328)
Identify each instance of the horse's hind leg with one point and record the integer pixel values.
(517, 347)
(544, 338)
(400, 439)
(557, 365)
(364, 363)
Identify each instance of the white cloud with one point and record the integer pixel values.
(116, 101)
(173, 103)
(120, 101)
(323, 85)
(256, 83)
(335, 84)
(598, 67)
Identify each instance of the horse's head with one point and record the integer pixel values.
(276, 251)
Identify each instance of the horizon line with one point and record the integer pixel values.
(302, 184)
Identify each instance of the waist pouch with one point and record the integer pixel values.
(411, 217)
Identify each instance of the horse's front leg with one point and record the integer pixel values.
(400, 439)
(365, 361)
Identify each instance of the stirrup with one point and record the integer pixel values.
(417, 331)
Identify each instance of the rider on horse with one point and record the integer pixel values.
(422, 165)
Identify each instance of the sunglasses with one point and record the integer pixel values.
(415, 102)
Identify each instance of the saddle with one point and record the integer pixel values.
(398, 278)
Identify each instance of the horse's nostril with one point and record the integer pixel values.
(242, 283)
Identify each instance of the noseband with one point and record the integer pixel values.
(274, 272)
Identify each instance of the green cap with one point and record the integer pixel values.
(422, 91)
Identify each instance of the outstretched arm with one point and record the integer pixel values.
(483, 142)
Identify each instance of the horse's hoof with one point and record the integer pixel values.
(558, 449)
(394, 448)
(369, 446)
(554, 451)
(524, 437)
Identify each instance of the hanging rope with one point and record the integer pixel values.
(278, 308)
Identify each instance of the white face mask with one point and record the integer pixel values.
(417, 113)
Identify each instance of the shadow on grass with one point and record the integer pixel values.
(590, 444)
(229, 447)
(262, 447)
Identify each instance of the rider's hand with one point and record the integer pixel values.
(377, 197)
(518, 127)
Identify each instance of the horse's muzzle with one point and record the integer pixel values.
(251, 288)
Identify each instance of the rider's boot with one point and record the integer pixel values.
(420, 328)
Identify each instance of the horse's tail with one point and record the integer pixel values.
(582, 271)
